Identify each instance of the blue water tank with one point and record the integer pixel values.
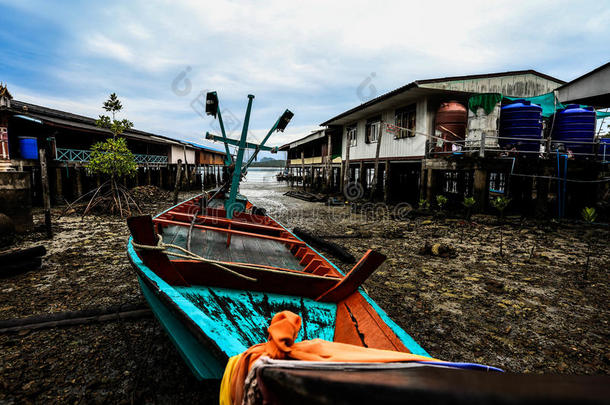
(577, 124)
(28, 147)
(521, 120)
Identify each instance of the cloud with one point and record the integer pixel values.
(307, 56)
(101, 46)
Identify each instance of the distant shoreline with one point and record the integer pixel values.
(279, 164)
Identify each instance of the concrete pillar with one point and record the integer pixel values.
(148, 176)
(160, 177)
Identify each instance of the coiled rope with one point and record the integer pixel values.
(187, 254)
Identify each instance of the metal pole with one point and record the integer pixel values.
(229, 158)
(238, 161)
(258, 148)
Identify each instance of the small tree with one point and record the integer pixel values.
(441, 201)
(423, 204)
(469, 203)
(589, 215)
(500, 203)
(112, 159)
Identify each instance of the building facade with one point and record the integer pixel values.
(66, 139)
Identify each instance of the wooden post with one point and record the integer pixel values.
(160, 177)
(148, 176)
(430, 185)
(58, 184)
(303, 167)
(346, 174)
(46, 198)
(177, 184)
(361, 174)
(186, 170)
(481, 190)
(386, 183)
(79, 181)
(329, 162)
(375, 178)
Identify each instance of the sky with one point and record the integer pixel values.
(316, 58)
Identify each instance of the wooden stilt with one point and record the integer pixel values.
(59, 193)
(79, 181)
(46, 198)
(386, 183)
(177, 184)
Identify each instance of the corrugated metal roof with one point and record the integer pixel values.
(81, 122)
(416, 83)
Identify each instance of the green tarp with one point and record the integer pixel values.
(547, 101)
(550, 104)
(487, 101)
(602, 114)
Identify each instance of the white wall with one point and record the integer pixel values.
(177, 152)
(390, 147)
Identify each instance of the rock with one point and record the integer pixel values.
(494, 286)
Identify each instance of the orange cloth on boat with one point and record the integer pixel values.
(283, 331)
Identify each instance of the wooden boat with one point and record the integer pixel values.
(254, 268)
(215, 270)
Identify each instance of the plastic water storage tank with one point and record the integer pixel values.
(577, 124)
(451, 120)
(28, 147)
(521, 120)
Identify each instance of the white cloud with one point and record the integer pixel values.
(308, 56)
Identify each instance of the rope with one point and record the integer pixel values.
(162, 247)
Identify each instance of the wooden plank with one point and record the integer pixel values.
(424, 384)
(222, 222)
(231, 231)
(358, 323)
(356, 276)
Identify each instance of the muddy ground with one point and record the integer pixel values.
(528, 310)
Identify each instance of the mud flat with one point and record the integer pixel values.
(525, 311)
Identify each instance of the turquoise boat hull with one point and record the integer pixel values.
(209, 324)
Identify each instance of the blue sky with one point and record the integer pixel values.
(310, 57)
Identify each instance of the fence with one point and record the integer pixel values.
(82, 156)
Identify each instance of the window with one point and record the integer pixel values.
(405, 118)
(373, 126)
(497, 182)
(352, 134)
